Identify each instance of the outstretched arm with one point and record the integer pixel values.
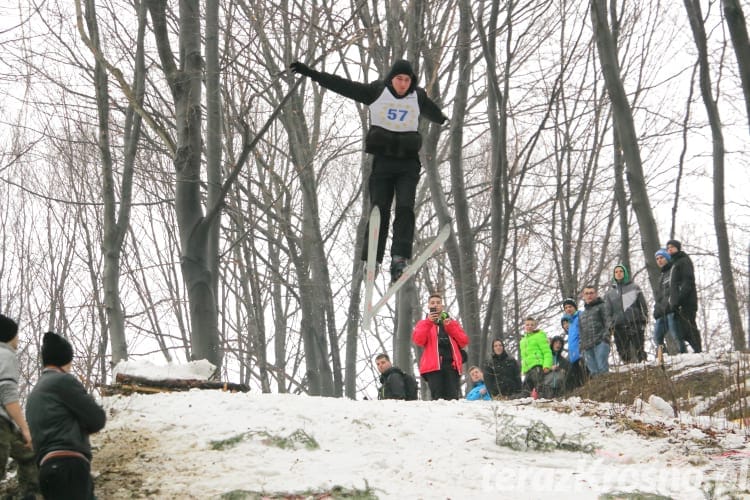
(366, 93)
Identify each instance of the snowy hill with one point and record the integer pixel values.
(213, 444)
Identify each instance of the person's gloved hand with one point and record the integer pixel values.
(302, 69)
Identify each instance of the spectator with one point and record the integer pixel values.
(478, 390)
(536, 356)
(683, 297)
(665, 326)
(442, 339)
(554, 381)
(628, 312)
(61, 416)
(576, 375)
(501, 372)
(594, 332)
(392, 379)
(15, 438)
(396, 104)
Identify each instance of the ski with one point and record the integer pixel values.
(411, 270)
(372, 249)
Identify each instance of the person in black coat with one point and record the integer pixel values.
(502, 375)
(392, 381)
(396, 104)
(61, 416)
(683, 297)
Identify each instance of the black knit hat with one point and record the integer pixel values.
(571, 302)
(56, 350)
(8, 329)
(676, 244)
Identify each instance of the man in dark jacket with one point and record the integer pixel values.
(665, 327)
(683, 297)
(396, 104)
(594, 332)
(627, 310)
(392, 379)
(61, 415)
(502, 375)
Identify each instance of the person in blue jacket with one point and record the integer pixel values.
(479, 390)
(576, 375)
(396, 105)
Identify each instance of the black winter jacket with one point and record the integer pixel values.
(682, 293)
(502, 375)
(61, 415)
(393, 386)
(380, 141)
(661, 297)
(593, 324)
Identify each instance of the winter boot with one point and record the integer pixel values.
(398, 264)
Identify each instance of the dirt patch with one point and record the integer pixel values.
(119, 456)
(683, 392)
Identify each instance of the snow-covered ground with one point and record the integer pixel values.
(412, 450)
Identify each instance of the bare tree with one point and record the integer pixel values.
(735, 19)
(625, 129)
(695, 17)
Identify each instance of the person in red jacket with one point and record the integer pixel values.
(442, 339)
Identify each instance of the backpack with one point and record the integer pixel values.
(411, 387)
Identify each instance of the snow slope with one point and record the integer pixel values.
(412, 450)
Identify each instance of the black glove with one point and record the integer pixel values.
(302, 69)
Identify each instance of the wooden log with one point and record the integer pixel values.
(128, 384)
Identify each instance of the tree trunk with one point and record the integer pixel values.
(735, 19)
(115, 224)
(722, 235)
(197, 262)
(625, 128)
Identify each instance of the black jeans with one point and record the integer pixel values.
(66, 478)
(685, 319)
(629, 341)
(444, 383)
(394, 177)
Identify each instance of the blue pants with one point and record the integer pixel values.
(597, 358)
(667, 325)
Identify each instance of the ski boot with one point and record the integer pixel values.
(398, 264)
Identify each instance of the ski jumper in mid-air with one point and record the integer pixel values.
(395, 104)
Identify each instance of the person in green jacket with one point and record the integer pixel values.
(536, 356)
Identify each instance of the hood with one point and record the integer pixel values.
(626, 278)
(566, 317)
(402, 67)
(552, 343)
(385, 374)
(596, 302)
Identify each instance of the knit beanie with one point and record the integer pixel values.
(676, 244)
(8, 329)
(56, 350)
(663, 252)
(571, 302)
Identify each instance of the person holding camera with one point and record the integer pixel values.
(442, 339)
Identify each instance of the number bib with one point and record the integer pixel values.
(396, 115)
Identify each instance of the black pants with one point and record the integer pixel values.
(66, 478)
(629, 341)
(443, 383)
(685, 319)
(576, 375)
(394, 177)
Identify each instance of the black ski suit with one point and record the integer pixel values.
(394, 142)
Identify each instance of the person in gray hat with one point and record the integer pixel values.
(15, 438)
(61, 417)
